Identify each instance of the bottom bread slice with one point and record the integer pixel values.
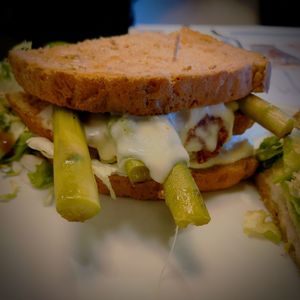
(210, 179)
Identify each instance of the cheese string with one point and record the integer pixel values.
(162, 272)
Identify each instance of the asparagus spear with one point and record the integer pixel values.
(74, 183)
(181, 192)
(136, 171)
(267, 115)
(184, 198)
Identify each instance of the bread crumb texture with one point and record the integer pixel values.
(138, 73)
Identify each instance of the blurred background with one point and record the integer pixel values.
(197, 11)
(45, 21)
(217, 12)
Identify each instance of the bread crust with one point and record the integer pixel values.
(274, 199)
(215, 178)
(29, 107)
(138, 73)
(211, 179)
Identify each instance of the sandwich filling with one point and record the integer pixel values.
(201, 137)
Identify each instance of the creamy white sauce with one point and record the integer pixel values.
(42, 145)
(153, 140)
(103, 171)
(158, 141)
(17, 128)
(236, 149)
(98, 136)
(205, 137)
(46, 117)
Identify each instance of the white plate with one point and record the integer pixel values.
(120, 253)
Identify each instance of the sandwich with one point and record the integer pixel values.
(161, 114)
(278, 182)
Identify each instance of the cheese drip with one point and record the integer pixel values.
(237, 148)
(98, 136)
(206, 137)
(152, 140)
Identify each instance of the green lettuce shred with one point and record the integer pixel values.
(42, 177)
(10, 170)
(7, 117)
(286, 169)
(257, 224)
(25, 45)
(7, 79)
(10, 196)
(55, 43)
(269, 151)
(5, 71)
(19, 148)
(291, 156)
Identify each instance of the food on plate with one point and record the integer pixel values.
(155, 109)
(279, 186)
(258, 223)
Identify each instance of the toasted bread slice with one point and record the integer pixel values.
(274, 199)
(208, 180)
(211, 179)
(141, 74)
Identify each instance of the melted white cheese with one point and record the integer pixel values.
(45, 116)
(186, 120)
(159, 141)
(103, 171)
(153, 140)
(42, 145)
(98, 136)
(236, 149)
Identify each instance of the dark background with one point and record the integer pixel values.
(45, 21)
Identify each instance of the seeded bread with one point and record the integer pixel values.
(141, 73)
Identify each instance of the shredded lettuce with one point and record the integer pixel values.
(4, 121)
(269, 151)
(10, 170)
(5, 72)
(55, 43)
(103, 171)
(294, 185)
(25, 45)
(291, 156)
(10, 128)
(11, 195)
(257, 224)
(18, 149)
(42, 177)
(286, 170)
(8, 82)
(7, 79)
(42, 145)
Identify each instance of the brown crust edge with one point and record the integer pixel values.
(28, 107)
(141, 95)
(264, 189)
(211, 179)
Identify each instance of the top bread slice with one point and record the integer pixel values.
(142, 73)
